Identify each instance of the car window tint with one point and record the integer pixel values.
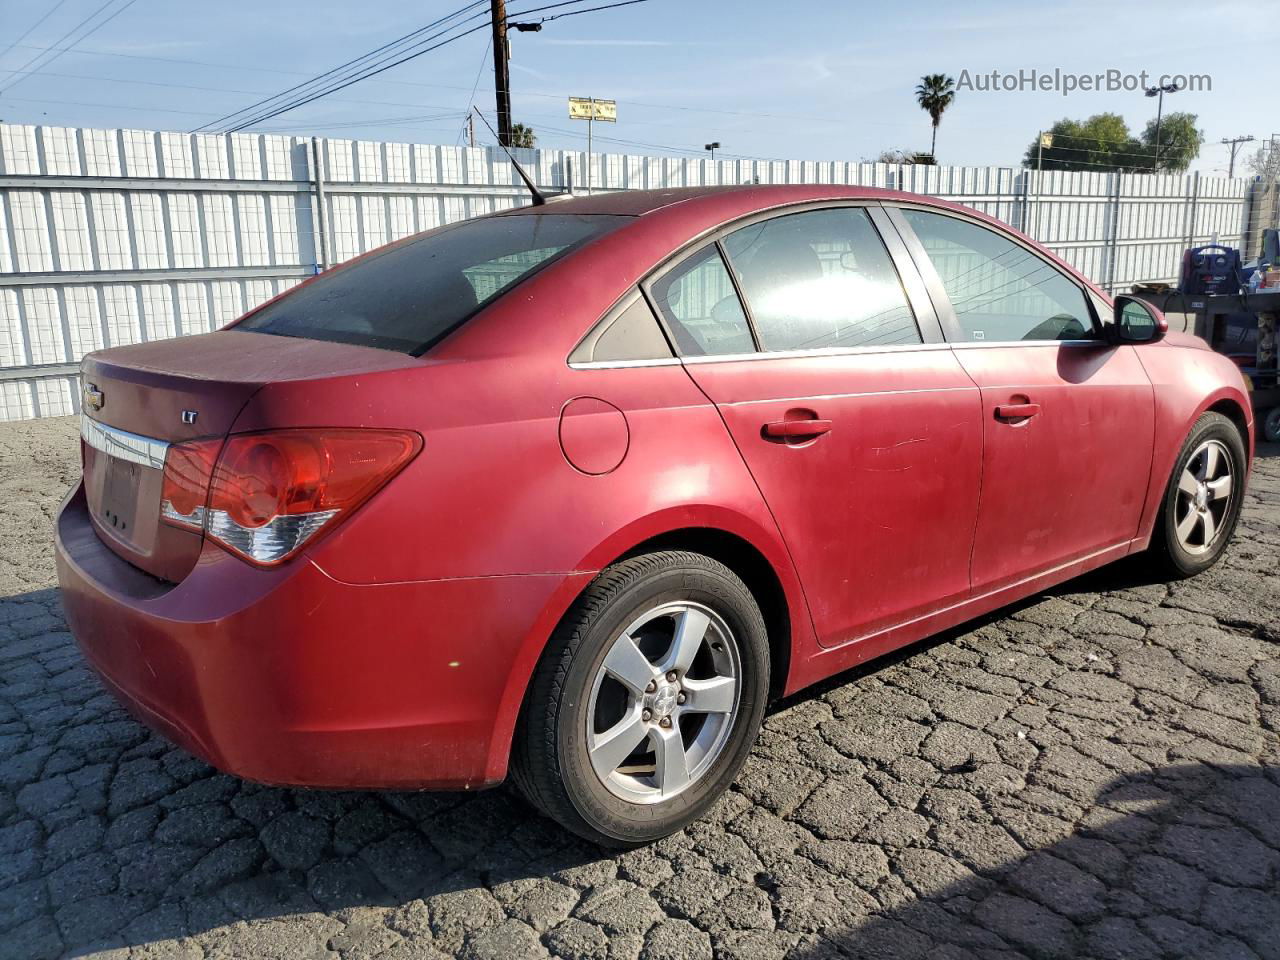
(820, 279)
(1000, 290)
(701, 307)
(409, 294)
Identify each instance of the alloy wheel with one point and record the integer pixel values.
(663, 702)
(1206, 488)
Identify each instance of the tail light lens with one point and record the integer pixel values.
(264, 495)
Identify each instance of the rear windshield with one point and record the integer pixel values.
(408, 295)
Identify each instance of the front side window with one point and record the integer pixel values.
(409, 294)
(820, 279)
(701, 307)
(1000, 291)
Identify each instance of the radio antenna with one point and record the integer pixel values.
(538, 198)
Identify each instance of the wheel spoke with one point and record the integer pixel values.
(709, 696)
(628, 665)
(672, 770)
(1188, 483)
(609, 749)
(691, 629)
(1210, 526)
(1210, 461)
(1188, 524)
(1220, 489)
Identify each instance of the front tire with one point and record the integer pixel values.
(1202, 502)
(647, 700)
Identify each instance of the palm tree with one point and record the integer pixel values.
(522, 136)
(935, 93)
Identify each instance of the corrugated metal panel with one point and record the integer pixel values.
(171, 233)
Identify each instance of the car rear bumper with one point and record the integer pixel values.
(289, 676)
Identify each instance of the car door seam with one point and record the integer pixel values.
(786, 546)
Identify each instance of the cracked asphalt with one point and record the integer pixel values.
(1094, 773)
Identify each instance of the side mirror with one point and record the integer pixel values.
(1137, 321)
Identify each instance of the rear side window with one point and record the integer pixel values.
(408, 295)
(629, 332)
(701, 307)
(1000, 290)
(819, 280)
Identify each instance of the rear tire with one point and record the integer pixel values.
(1202, 501)
(647, 700)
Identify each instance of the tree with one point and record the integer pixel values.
(1256, 162)
(1180, 142)
(1103, 142)
(935, 92)
(522, 136)
(901, 156)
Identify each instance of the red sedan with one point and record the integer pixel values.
(573, 491)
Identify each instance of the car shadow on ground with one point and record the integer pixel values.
(1179, 862)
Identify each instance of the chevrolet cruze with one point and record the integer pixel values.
(571, 492)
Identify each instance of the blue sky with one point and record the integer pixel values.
(767, 79)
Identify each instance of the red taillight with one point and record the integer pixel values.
(188, 468)
(269, 493)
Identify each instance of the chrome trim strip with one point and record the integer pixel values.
(835, 352)
(123, 445)
(821, 352)
(989, 344)
(611, 364)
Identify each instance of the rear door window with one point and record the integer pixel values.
(698, 300)
(408, 295)
(820, 280)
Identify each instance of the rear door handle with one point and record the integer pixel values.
(796, 429)
(1016, 412)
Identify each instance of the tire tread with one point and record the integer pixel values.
(535, 767)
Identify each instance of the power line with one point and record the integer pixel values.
(571, 13)
(320, 78)
(474, 87)
(382, 66)
(108, 106)
(240, 67)
(184, 86)
(51, 11)
(285, 108)
(59, 52)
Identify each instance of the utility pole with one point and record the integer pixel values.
(471, 126)
(1234, 143)
(501, 73)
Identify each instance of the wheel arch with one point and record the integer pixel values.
(750, 550)
(745, 560)
(1230, 408)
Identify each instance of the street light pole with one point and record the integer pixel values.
(713, 147)
(1159, 92)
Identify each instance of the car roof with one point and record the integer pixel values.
(635, 203)
(682, 213)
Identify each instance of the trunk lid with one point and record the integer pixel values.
(140, 399)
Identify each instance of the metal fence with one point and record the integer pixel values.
(114, 236)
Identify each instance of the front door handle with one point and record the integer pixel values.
(796, 429)
(1016, 412)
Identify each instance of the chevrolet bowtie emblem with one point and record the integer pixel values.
(93, 397)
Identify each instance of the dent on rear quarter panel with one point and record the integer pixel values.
(1187, 381)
